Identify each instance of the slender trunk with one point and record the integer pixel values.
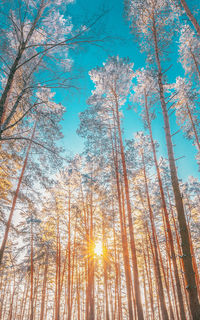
(171, 241)
(24, 300)
(65, 299)
(193, 127)
(157, 264)
(131, 231)
(194, 261)
(190, 16)
(87, 265)
(105, 272)
(57, 276)
(4, 284)
(165, 280)
(187, 259)
(35, 296)
(145, 296)
(78, 293)
(17, 303)
(123, 233)
(47, 300)
(11, 300)
(155, 270)
(32, 272)
(116, 273)
(91, 262)
(120, 292)
(44, 288)
(69, 259)
(149, 279)
(3, 245)
(7, 298)
(195, 63)
(73, 264)
(180, 255)
(170, 268)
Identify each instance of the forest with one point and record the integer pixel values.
(110, 232)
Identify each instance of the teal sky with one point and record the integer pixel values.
(122, 43)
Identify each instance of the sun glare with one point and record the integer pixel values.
(98, 248)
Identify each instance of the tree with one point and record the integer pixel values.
(112, 85)
(186, 100)
(190, 16)
(46, 127)
(189, 45)
(152, 19)
(37, 41)
(146, 92)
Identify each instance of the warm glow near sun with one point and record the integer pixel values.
(98, 248)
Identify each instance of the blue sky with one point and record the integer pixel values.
(124, 45)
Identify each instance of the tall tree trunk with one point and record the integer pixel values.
(116, 272)
(78, 293)
(10, 313)
(3, 245)
(149, 279)
(157, 264)
(190, 16)
(170, 269)
(171, 241)
(105, 271)
(91, 315)
(69, 259)
(195, 62)
(87, 263)
(193, 254)
(187, 259)
(4, 284)
(59, 274)
(155, 269)
(145, 296)
(44, 288)
(24, 304)
(193, 127)
(180, 255)
(73, 264)
(123, 231)
(35, 295)
(32, 271)
(131, 231)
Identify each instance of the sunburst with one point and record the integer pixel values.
(98, 248)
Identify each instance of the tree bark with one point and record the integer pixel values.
(157, 264)
(171, 241)
(149, 279)
(131, 231)
(187, 259)
(123, 231)
(69, 259)
(193, 127)
(44, 288)
(190, 16)
(15, 65)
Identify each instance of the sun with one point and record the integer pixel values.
(98, 248)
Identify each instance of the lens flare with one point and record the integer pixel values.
(98, 248)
